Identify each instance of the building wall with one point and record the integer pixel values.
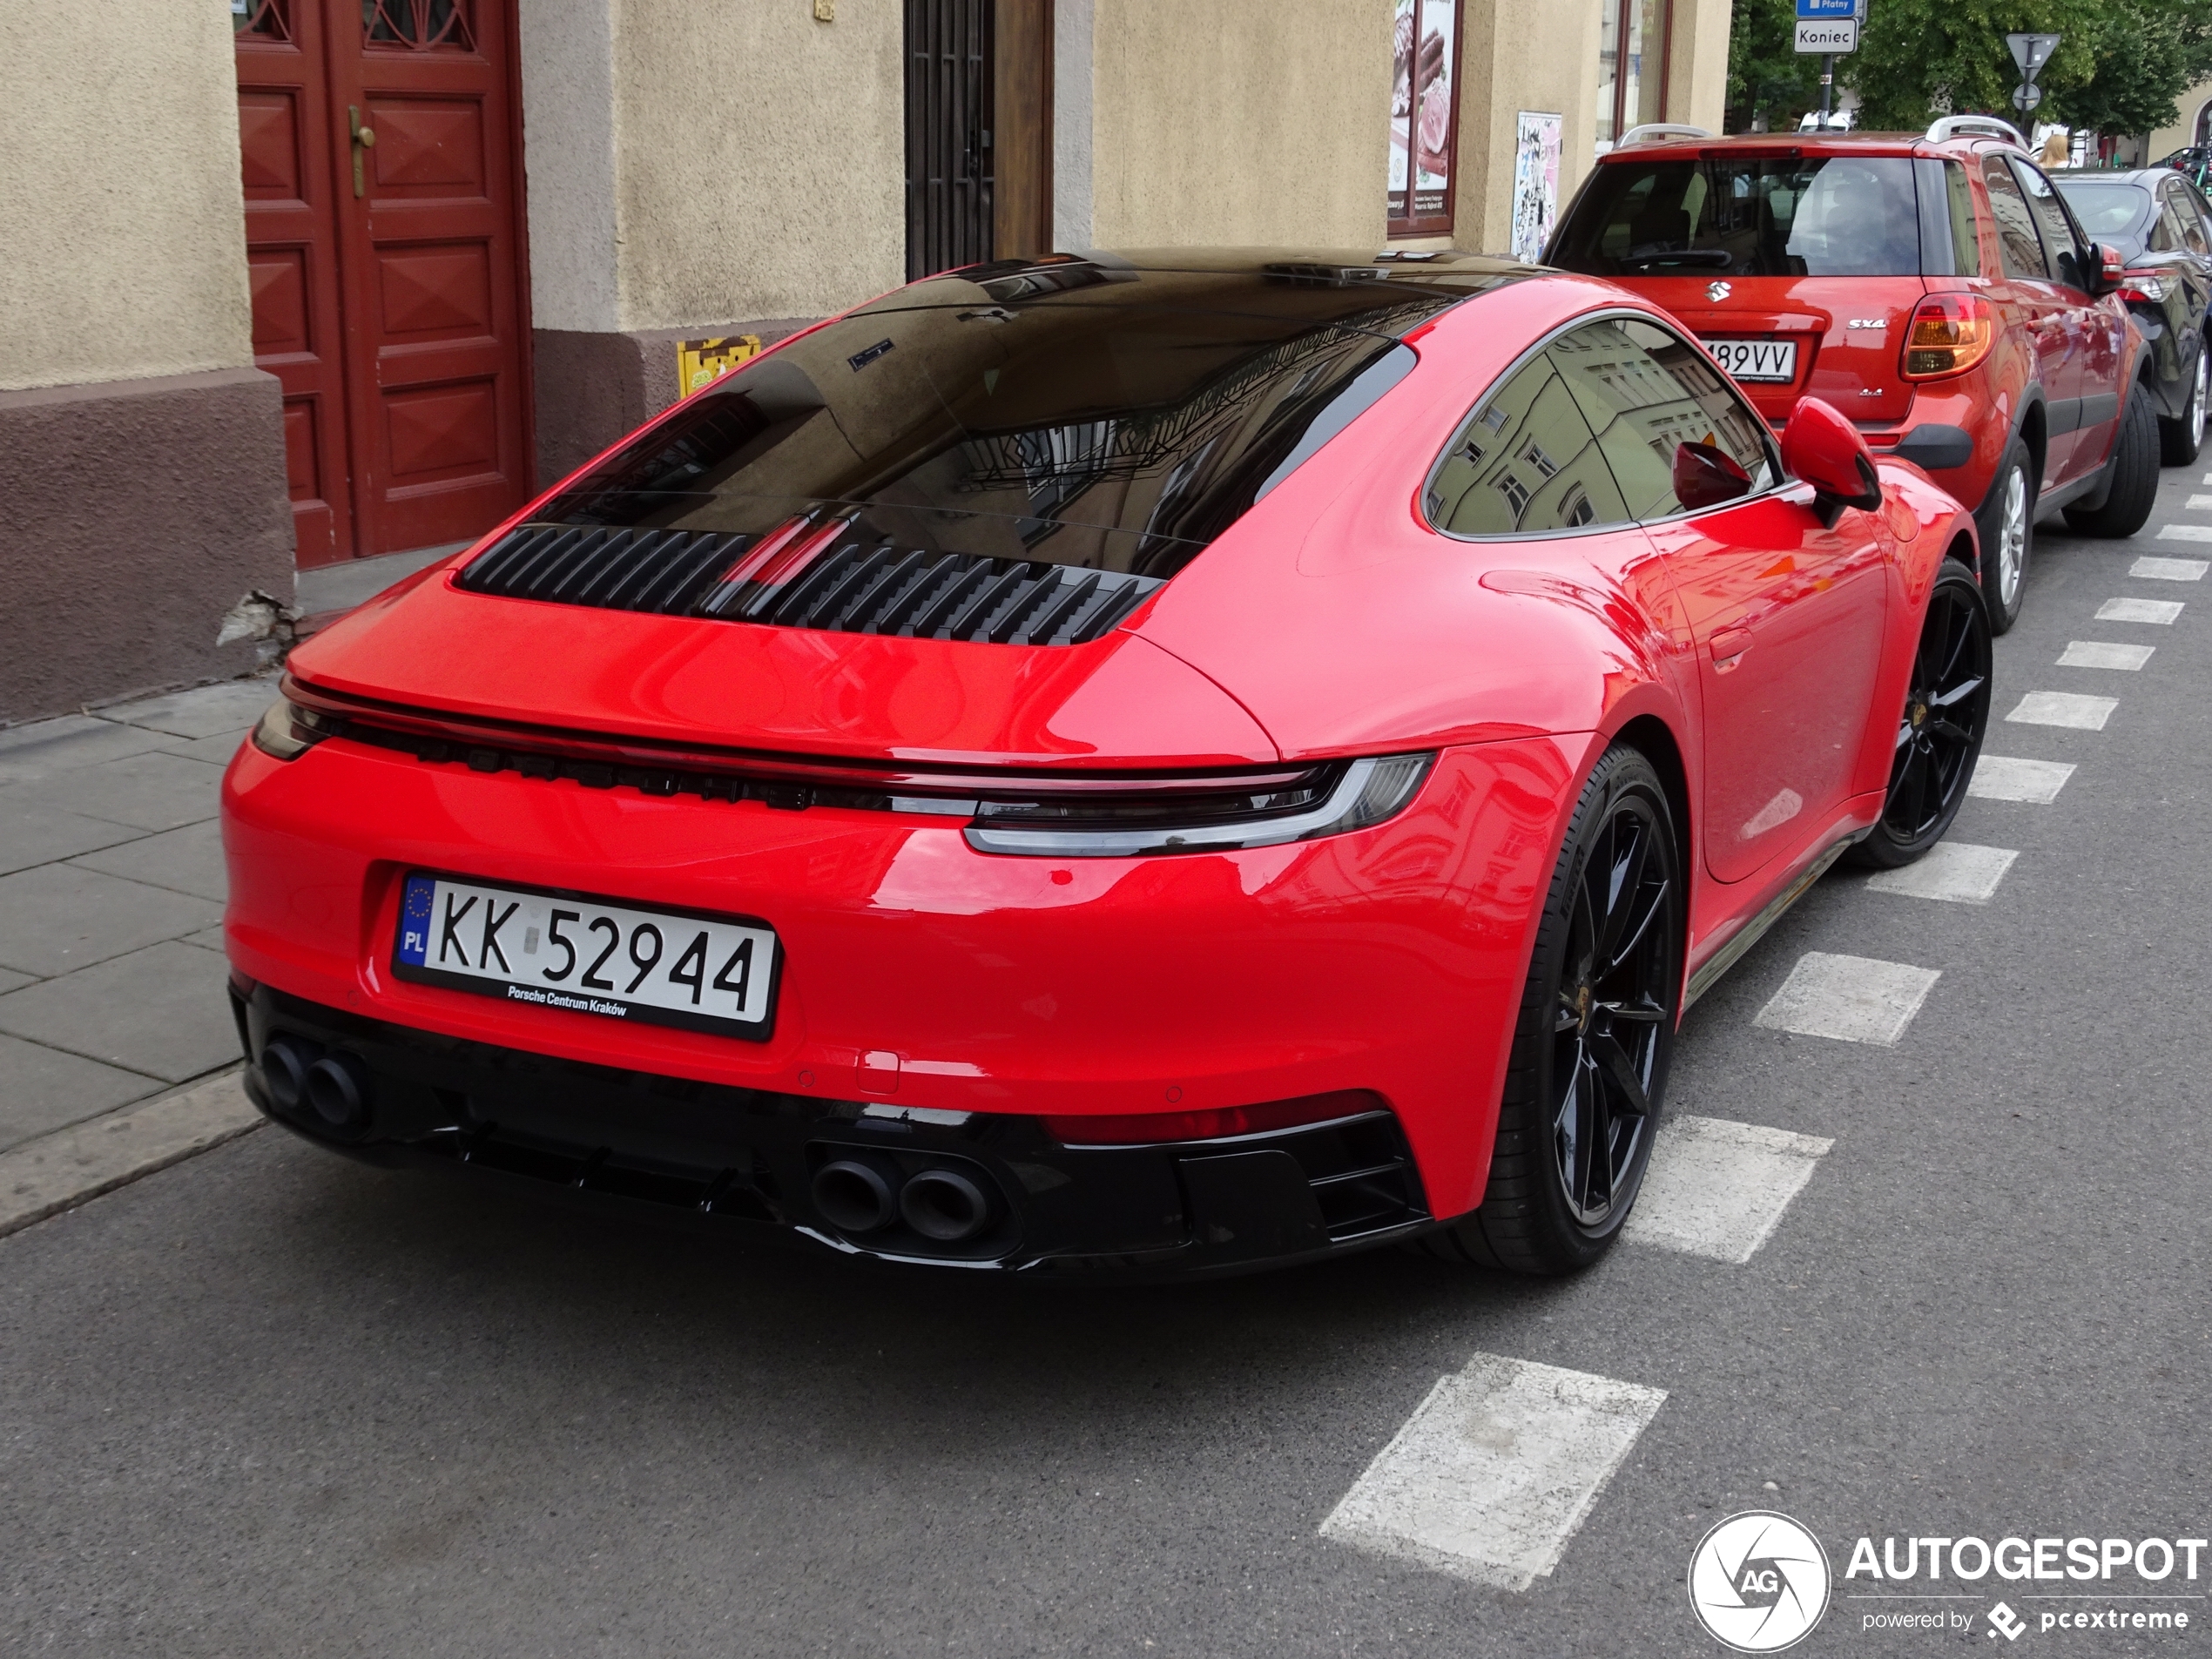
(120, 205)
(141, 455)
(2166, 140)
(698, 170)
(1539, 58)
(1235, 121)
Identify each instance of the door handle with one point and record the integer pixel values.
(364, 140)
(1728, 646)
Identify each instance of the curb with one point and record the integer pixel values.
(58, 1171)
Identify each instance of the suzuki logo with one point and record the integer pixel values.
(1718, 290)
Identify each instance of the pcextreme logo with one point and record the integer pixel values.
(1758, 1582)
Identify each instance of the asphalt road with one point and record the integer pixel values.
(268, 1402)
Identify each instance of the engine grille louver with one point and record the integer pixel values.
(850, 589)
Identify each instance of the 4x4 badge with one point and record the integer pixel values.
(1717, 290)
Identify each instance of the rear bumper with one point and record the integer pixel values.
(744, 1160)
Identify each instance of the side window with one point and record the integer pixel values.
(2016, 239)
(2197, 215)
(1966, 246)
(2165, 228)
(1645, 393)
(1525, 462)
(2187, 220)
(2066, 260)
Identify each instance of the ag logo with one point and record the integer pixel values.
(1758, 1582)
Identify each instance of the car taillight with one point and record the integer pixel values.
(1949, 333)
(2147, 287)
(288, 730)
(1329, 800)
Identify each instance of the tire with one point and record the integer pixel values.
(2181, 438)
(2134, 474)
(2006, 528)
(1550, 1207)
(1939, 733)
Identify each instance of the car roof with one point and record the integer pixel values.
(2143, 177)
(1793, 141)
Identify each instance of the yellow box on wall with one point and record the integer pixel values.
(701, 362)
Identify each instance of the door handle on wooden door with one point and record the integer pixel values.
(364, 140)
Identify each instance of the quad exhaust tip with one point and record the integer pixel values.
(860, 1195)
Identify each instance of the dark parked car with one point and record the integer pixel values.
(2163, 231)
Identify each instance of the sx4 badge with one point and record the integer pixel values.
(1758, 1582)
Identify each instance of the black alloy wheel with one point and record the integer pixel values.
(1607, 1016)
(1939, 733)
(1594, 1037)
(2180, 438)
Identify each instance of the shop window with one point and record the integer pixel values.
(1424, 117)
(1631, 66)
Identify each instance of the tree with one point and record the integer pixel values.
(2144, 55)
(1921, 58)
(1766, 74)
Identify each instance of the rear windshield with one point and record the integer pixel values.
(1079, 414)
(2105, 210)
(1745, 216)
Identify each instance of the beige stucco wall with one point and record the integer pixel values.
(1698, 66)
(760, 158)
(1235, 121)
(1514, 57)
(121, 214)
(2166, 140)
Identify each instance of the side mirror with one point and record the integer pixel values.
(2112, 270)
(1706, 475)
(1825, 450)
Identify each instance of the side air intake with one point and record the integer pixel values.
(851, 589)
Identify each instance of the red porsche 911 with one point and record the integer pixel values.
(1156, 763)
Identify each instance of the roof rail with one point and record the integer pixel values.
(1651, 131)
(1987, 125)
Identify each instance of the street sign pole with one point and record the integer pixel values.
(1829, 27)
(1827, 86)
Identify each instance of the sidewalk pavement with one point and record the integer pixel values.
(111, 887)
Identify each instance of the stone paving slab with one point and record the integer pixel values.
(9, 979)
(33, 830)
(46, 747)
(60, 1170)
(153, 791)
(42, 1089)
(204, 713)
(161, 1011)
(216, 751)
(184, 861)
(57, 918)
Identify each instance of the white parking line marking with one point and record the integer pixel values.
(2155, 569)
(2096, 653)
(1495, 1472)
(1853, 999)
(2064, 708)
(1953, 871)
(2185, 532)
(2200, 503)
(2002, 778)
(2161, 610)
(1716, 1189)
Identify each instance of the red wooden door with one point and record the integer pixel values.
(418, 413)
(292, 259)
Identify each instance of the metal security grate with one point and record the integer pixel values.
(852, 589)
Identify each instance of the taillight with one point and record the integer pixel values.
(289, 730)
(2148, 288)
(1949, 333)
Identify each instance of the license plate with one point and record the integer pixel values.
(560, 950)
(1756, 359)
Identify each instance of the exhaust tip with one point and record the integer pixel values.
(285, 1064)
(853, 1197)
(337, 1086)
(945, 1206)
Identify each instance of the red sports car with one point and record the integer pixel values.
(1156, 763)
